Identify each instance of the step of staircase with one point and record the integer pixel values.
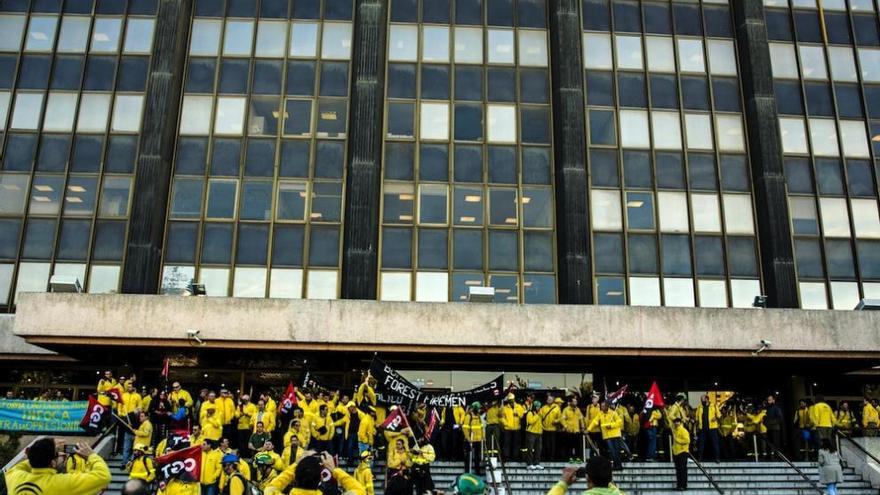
(734, 478)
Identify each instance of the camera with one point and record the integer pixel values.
(581, 472)
(766, 342)
(70, 448)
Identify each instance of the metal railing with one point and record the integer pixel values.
(858, 446)
(778, 453)
(706, 474)
(505, 480)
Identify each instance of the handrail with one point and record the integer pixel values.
(861, 449)
(706, 474)
(504, 478)
(592, 444)
(778, 453)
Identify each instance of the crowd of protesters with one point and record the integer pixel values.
(254, 440)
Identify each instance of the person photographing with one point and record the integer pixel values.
(40, 471)
(599, 475)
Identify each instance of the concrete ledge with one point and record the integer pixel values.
(456, 327)
(12, 346)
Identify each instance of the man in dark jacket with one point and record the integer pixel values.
(775, 422)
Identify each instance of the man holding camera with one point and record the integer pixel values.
(39, 472)
(598, 473)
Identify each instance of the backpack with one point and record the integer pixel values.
(249, 487)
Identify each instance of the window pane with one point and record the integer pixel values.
(673, 212)
(303, 39)
(501, 124)
(835, 219)
(605, 208)
(336, 41)
(60, 111)
(127, 111)
(41, 33)
(14, 191)
(105, 35)
(865, 218)
(432, 204)
(629, 52)
(678, 292)
(238, 37)
(634, 129)
(690, 55)
(74, 35)
(271, 38)
(597, 51)
(403, 43)
(468, 45)
(644, 291)
(139, 36)
(660, 54)
(435, 44)
(28, 108)
(706, 214)
(500, 46)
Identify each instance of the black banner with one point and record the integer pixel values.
(392, 388)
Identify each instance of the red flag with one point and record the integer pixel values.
(94, 417)
(184, 465)
(616, 396)
(396, 421)
(115, 394)
(432, 423)
(288, 400)
(655, 398)
(166, 368)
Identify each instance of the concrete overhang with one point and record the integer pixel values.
(15, 348)
(456, 328)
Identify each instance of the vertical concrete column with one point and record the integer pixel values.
(142, 269)
(765, 152)
(570, 155)
(364, 168)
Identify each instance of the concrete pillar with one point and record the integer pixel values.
(142, 268)
(575, 272)
(364, 174)
(765, 152)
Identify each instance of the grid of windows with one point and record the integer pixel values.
(672, 213)
(467, 191)
(826, 68)
(256, 202)
(72, 83)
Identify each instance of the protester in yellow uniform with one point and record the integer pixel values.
(610, 424)
(131, 402)
(38, 474)
(178, 393)
(210, 473)
(399, 457)
(708, 420)
(265, 415)
(493, 428)
(228, 406)
(291, 452)
(323, 430)
(106, 384)
(423, 456)
(141, 466)
(366, 430)
(822, 417)
(212, 425)
(229, 463)
(75, 464)
(754, 428)
(631, 429)
(266, 468)
(844, 419)
(534, 434)
(472, 429)
(365, 392)
(212, 402)
(572, 420)
(551, 422)
(510, 424)
(363, 474)
(870, 417)
(245, 412)
(681, 446)
(305, 476)
(803, 423)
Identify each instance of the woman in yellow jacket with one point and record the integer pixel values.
(399, 460)
(681, 447)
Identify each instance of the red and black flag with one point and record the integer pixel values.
(288, 400)
(115, 394)
(95, 416)
(166, 368)
(184, 465)
(432, 424)
(655, 398)
(396, 421)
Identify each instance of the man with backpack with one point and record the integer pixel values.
(237, 483)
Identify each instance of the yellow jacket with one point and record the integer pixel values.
(821, 415)
(288, 456)
(654, 418)
(593, 411)
(327, 423)
(426, 455)
(49, 482)
(802, 418)
(609, 423)
(141, 468)
(229, 409)
(754, 423)
(728, 424)
(243, 467)
(571, 418)
(365, 393)
(534, 424)
(676, 411)
(472, 428)
(458, 414)
(552, 417)
(844, 420)
(345, 418)
(246, 414)
(218, 408)
(492, 415)
(631, 424)
(175, 396)
(347, 484)
(103, 387)
(714, 416)
(237, 486)
(131, 402)
(267, 417)
(366, 428)
(364, 475)
(870, 415)
(681, 440)
(211, 467)
(510, 418)
(145, 402)
(75, 464)
(398, 460)
(212, 427)
(144, 434)
(177, 487)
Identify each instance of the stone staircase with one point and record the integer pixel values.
(735, 478)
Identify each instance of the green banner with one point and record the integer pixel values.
(38, 416)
